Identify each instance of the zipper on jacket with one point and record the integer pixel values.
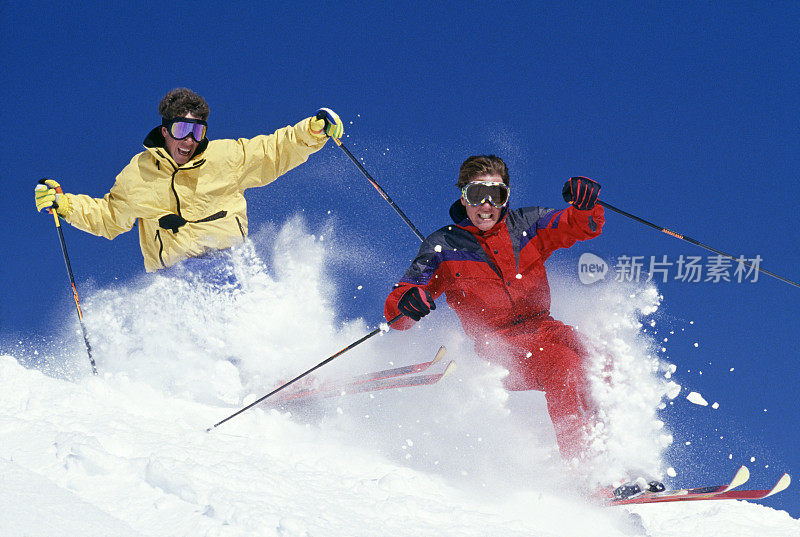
(172, 182)
(160, 248)
(177, 199)
(241, 229)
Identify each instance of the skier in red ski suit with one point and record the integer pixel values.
(490, 266)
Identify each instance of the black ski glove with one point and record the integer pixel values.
(416, 303)
(581, 192)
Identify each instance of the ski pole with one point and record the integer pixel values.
(298, 377)
(381, 191)
(695, 242)
(72, 280)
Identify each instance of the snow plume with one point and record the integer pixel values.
(230, 330)
(266, 313)
(217, 330)
(630, 439)
(127, 453)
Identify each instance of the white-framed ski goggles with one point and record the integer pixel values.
(479, 192)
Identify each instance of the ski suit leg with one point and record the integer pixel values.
(551, 359)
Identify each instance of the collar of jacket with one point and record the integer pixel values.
(154, 142)
(459, 215)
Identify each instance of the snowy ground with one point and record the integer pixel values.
(126, 453)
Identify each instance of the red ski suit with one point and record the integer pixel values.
(497, 284)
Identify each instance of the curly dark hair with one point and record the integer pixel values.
(182, 101)
(478, 165)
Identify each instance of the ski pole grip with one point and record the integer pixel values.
(43, 181)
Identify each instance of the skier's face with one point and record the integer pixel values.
(180, 150)
(483, 216)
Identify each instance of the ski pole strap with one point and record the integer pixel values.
(695, 242)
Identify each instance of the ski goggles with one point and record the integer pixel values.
(181, 127)
(479, 192)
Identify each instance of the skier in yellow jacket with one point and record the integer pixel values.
(185, 190)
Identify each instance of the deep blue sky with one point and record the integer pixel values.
(687, 113)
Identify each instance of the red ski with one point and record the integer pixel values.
(397, 371)
(717, 492)
(782, 484)
(398, 377)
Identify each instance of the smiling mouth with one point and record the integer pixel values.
(485, 216)
(184, 152)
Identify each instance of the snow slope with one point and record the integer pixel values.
(127, 453)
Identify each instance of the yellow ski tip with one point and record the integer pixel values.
(741, 477)
(439, 354)
(450, 368)
(782, 484)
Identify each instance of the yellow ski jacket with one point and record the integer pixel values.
(206, 193)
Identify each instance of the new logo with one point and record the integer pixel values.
(591, 268)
